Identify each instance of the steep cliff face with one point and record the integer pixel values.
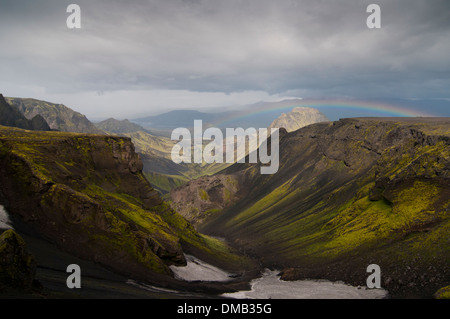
(347, 194)
(87, 194)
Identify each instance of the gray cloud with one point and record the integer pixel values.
(313, 48)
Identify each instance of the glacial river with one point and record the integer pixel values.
(270, 286)
(5, 222)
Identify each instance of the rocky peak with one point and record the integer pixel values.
(299, 117)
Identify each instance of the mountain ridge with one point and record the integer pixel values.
(58, 116)
(10, 115)
(113, 125)
(368, 190)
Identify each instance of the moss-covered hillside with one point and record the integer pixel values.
(87, 194)
(348, 194)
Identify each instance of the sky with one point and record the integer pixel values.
(132, 58)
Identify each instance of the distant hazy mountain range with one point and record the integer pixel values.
(177, 118)
(258, 115)
(263, 113)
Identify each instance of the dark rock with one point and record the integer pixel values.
(17, 266)
(38, 123)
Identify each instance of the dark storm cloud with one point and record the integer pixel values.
(309, 48)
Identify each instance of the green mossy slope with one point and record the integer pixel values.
(87, 194)
(348, 194)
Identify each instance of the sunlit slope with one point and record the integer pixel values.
(347, 191)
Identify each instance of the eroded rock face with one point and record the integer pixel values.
(202, 198)
(17, 266)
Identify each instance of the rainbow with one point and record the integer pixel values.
(383, 109)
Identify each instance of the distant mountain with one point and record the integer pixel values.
(11, 116)
(118, 126)
(58, 116)
(258, 115)
(177, 118)
(162, 172)
(155, 152)
(299, 117)
(262, 114)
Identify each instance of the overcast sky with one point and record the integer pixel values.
(142, 57)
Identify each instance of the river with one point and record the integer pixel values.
(5, 222)
(197, 270)
(270, 286)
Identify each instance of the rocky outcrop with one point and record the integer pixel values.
(299, 117)
(200, 199)
(17, 266)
